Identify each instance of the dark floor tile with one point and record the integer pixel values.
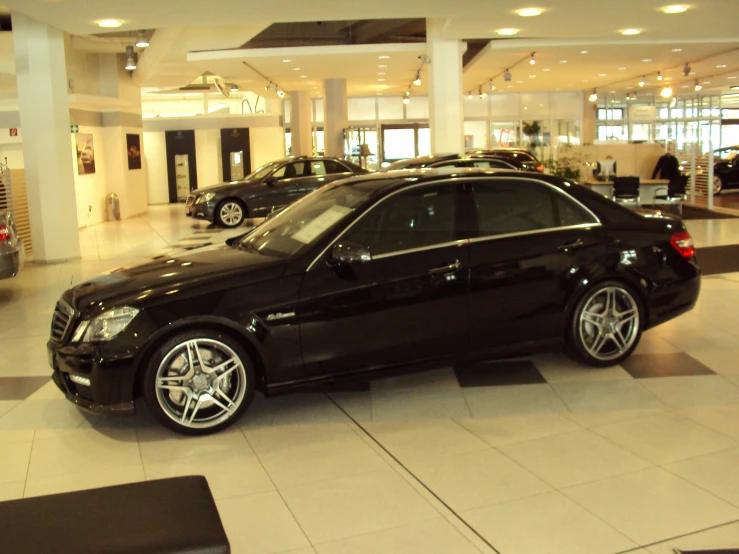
(691, 212)
(718, 259)
(348, 386)
(20, 388)
(498, 374)
(642, 366)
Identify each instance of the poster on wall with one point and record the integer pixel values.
(133, 144)
(85, 154)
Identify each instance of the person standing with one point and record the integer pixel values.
(668, 166)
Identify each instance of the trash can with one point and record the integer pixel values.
(112, 208)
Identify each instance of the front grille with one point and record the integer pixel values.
(61, 320)
(190, 200)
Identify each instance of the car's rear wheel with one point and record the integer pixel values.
(199, 382)
(718, 184)
(606, 325)
(230, 213)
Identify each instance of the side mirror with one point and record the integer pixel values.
(270, 181)
(347, 253)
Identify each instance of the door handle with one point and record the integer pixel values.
(456, 265)
(573, 245)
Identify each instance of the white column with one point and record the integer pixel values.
(335, 116)
(446, 105)
(300, 124)
(589, 126)
(47, 147)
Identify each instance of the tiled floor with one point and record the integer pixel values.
(538, 455)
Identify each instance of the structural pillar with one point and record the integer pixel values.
(335, 116)
(446, 105)
(47, 147)
(589, 127)
(300, 124)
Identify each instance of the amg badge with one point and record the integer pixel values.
(280, 315)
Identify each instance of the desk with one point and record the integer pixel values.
(647, 189)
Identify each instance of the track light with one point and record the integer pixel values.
(594, 96)
(507, 76)
(698, 86)
(666, 92)
(469, 96)
(417, 81)
(642, 82)
(482, 94)
(407, 100)
(141, 41)
(686, 70)
(532, 61)
(492, 86)
(130, 58)
(280, 93)
(234, 88)
(659, 76)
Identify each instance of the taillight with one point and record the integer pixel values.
(4, 233)
(540, 168)
(683, 243)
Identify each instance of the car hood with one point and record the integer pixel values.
(202, 269)
(225, 187)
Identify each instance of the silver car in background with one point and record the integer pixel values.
(12, 253)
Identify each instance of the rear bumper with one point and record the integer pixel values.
(673, 300)
(11, 262)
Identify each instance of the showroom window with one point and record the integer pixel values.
(505, 208)
(414, 219)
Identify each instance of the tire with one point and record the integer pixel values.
(718, 185)
(195, 402)
(230, 213)
(600, 336)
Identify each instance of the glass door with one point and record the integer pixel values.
(400, 142)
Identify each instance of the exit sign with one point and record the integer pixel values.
(14, 132)
(75, 128)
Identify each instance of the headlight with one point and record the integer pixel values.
(207, 197)
(105, 326)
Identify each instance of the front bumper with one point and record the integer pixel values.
(11, 262)
(112, 380)
(206, 211)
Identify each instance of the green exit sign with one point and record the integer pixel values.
(75, 128)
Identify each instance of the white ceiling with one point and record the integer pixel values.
(564, 29)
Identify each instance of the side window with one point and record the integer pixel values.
(517, 207)
(414, 219)
(333, 167)
(318, 168)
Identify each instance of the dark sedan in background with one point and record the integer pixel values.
(12, 252)
(269, 188)
(369, 276)
(496, 159)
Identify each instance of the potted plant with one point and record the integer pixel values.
(569, 163)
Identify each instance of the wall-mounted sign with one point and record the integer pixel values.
(643, 114)
(74, 128)
(14, 132)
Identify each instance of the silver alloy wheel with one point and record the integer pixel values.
(609, 323)
(200, 383)
(231, 214)
(717, 184)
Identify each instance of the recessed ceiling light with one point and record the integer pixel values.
(723, 65)
(706, 82)
(563, 61)
(381, 66)
(602, 75)
(677, 49)
(622, 69)
(732, 77)
(529, 12)
(675, 8)
(684, 86)
(611, 92)
(546, 69)
(583, 51)
(109, 23)
(585, 80)
(510, 86)
(381, 73)
(507, 32)
(303, 76)
(630, 32)
(532, 76)
(296, 69)
(647, 60)
(381, 80)
(519, 82)
(286, 61)
(383, 57)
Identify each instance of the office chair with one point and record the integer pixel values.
(626, 190)
(674, 193)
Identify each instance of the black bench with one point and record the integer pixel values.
(166, 516)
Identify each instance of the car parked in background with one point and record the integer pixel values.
(482, 162)
(271, 187)
(725, 169)
(455, 160)
(524, 159)
(368, 276)
(12, 252)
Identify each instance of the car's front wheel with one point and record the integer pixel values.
(230, 213)
(199, 382)
(718, 184)
(606, 325)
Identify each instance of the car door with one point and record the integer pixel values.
(409, 303)
(286, 184)
(533, 241)
(323, 172)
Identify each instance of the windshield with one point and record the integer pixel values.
(262, 172)
(303, 223)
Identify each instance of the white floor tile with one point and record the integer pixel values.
(703, 390)
(304, 408)
(559, 368)
(589, 420)
(662, 439)
(11, 491)
(91, 479)
(160, 445)
(508, 430)
(550, 523)
(476, 479)
(723, 537)
(716, 473)
(616, 395)
(349, 506)
(260, 524)
(652, 343)
(13, 437)
(719, 418)
(14, 462)
(573, 458)
(720, 361)
(7, 405)
(435, 536)
(421, 404)
(42, 414)
(652, 505)
(515, 400)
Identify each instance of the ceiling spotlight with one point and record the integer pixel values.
(686, 70)
(642, 82)
(507, 32)
(507, 76)
(594, 96)
(109, 23)
(647, 60)
(677, 8)
(406, 100)
(280, 93)
(417, 81)
(659, 76)
(630, 32)
(529, 12)
(583, 51)
(698, 86)
(666, 92)
(735, 87)
(721, 66)
(677, 49)
(286, 61)
(234, 88)
(130, 58)
(532, 61)
(383, 57)
(141, 41)
(563, 61)
(469, 96)
(482, 94)
(492, 86)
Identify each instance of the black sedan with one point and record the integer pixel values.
(373, 274)
(12, 252)
(454, 160)
(269, 188)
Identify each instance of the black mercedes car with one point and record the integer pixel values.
(271, 187)
(372, 275)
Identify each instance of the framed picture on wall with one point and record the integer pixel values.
(133, 145)
(85, 154)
